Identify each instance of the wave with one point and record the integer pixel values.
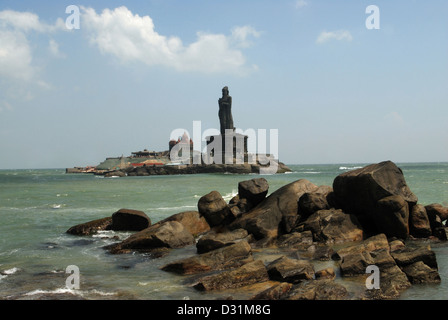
(66, 290)
(349, 168)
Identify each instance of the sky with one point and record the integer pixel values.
(340, 81)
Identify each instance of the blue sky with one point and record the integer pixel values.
(134, 71)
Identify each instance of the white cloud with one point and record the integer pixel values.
(15, 56)
(53, 47)
(131, 37)
(300, 4)
(339, 35)
(15, 50)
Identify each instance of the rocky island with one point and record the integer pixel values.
(270, 246)
(226, 152)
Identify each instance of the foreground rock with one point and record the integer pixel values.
(264, 220)
(369, 217)
(91, 227)
(215, 240)
(129, 220)
(250, 273)
(333, 226)
(362, 192)
(191, 220)
(170, 234)
(226, 257)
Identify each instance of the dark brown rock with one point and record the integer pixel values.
(129, 220)
(214, 209)
(309, 203)
(419, 225)
(318, 290)
(263, 221)
(91, 227)
(276, 292)
(438, 209)
(327, 273)
(358, 191)
(226, 257)
(410, 255)
(191, 220)
(372, 251)
(333, 226)
(290, 270)
(392, 217)
(254, 190)
(418, 272)
(215, 240)
(247, 274)
(170, 234)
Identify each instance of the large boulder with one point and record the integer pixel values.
(215, 240)
(419, 225)
(223, 258)
(129, 220)
(170, 234)
(250, 273)
(263, 221)
(290, 270)
(191, 220)
(359, 191)
(254, 190)
(91, 227)
(318, 290)
(392, 217)
(215, 209)
(437, 209)
(333, 226)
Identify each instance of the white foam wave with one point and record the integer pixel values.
(10, 271)
(229, 196)
(349, 168)
(82, 293)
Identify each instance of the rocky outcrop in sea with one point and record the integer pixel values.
(271, 246)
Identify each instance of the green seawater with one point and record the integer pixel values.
(38, 206)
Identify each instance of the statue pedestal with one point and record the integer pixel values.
(227, 149)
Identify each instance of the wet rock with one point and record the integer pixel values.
(318, 290)
(254, 190)
(295, 239)
(91, 227)
(410, 255)
(191, 220)
(214, 240)
(129, 220)
(263, 221)
(214, 209)
(438, 209)
(418, 272)
(393, 216)
(358, 192)
(247, 274)
(170, 234)
(276, 292)
(226, 257)
(419, 225)
(290, 270)
(372, 251)
(327, 273)
(333, 226)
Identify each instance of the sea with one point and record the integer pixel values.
(38, 206)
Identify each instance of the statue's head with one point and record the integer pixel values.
(225, 91)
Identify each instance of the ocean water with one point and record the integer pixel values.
(38, 206)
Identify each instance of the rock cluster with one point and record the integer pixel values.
(369, 217)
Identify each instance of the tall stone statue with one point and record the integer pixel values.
(225, 111)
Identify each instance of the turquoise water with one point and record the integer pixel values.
(38, 206)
